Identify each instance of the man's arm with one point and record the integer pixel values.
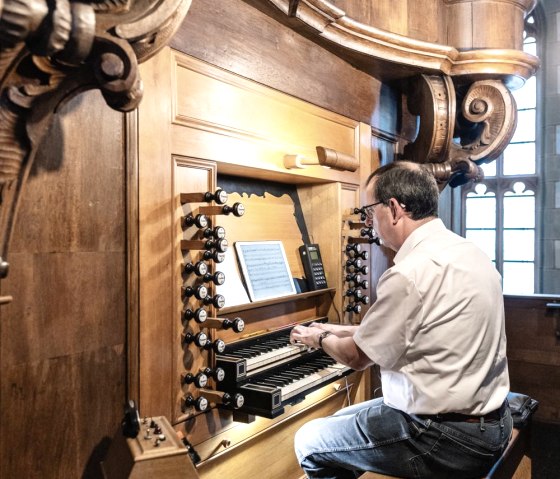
(340, 330)
(343, 349)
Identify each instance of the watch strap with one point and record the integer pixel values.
(322, 336)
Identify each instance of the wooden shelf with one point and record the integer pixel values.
(270, 302)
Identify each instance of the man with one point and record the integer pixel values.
(437, 332)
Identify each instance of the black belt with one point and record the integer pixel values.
(458, 417)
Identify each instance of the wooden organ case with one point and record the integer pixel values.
(222, 131)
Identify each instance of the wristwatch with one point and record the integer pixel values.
(322, 336)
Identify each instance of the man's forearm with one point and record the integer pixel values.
(340, 330)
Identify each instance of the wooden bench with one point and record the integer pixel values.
(514, 463)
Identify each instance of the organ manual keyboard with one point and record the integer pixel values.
(272, 373)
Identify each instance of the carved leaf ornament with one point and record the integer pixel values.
(51, 50)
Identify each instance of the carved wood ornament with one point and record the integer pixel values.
(51, 50)
(461, 95)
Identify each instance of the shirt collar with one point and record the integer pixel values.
(417, 236)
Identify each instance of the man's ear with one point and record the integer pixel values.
(397, 211)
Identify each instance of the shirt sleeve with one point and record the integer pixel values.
(389, 326)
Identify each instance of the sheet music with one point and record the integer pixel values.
(265, 269)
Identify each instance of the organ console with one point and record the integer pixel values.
(213, 356)
(272, 373)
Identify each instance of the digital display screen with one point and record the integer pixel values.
(313, 255)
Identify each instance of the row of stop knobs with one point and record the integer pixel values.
(354, 268)
(212, 244)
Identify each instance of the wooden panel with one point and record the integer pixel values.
(426, 20)
(156, 220)
(484, 36)
(323, 212)
(65, 303)
(484, 24)
(60, 411)
(267, 217)
(386, 14)
(534, 352)
(253, 125)
(269, 448)
(417, 19)
(62, 339)
(460, 25)
(256, 46)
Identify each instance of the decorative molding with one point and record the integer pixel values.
(369, 43)
(467, 114)
(52, 50)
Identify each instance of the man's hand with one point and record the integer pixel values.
(343, 348)
(308, 335)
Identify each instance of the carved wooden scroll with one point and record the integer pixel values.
(460, 128)
(50, 50)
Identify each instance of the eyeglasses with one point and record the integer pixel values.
(369, 209)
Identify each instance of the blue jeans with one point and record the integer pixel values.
(371, 436)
